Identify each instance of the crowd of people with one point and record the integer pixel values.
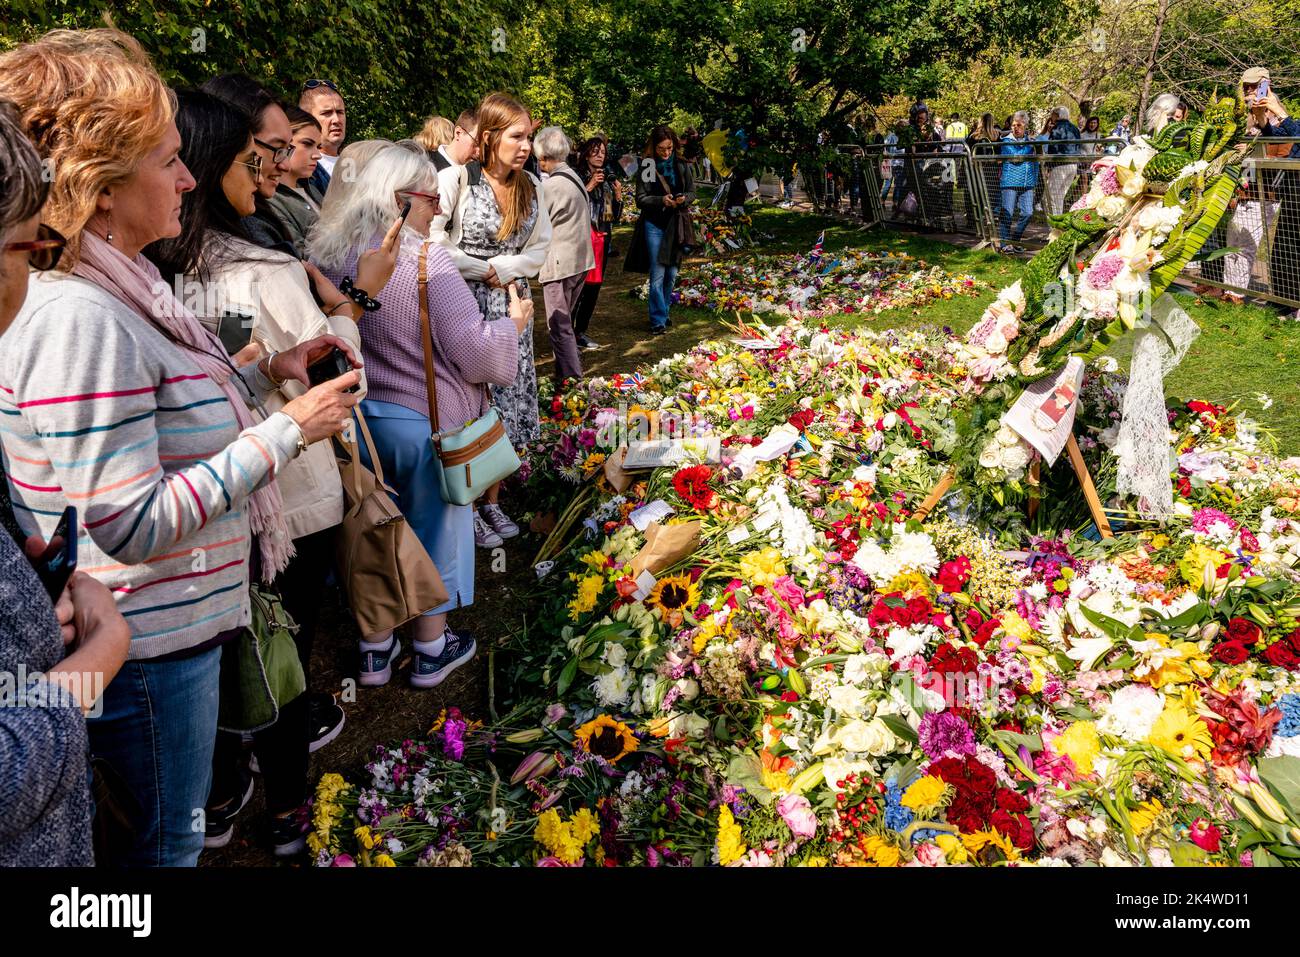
(1044, 166)
(178, 265)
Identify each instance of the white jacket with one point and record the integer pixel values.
(453, 186)
(275, 290)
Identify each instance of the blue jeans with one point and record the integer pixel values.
(157, 731)
(662, 278)
(1015, 200)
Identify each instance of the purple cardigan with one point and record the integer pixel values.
(467, 350)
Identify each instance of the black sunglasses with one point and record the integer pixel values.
(43, 252)
(312, 84)
(279, 154)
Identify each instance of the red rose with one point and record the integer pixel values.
(953, 575)
(1293, 641)
(1246, 632)
(973, 620)
(1231, 652)
(1281, 656)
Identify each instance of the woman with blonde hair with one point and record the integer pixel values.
(498, 237)
(437, 131)
(117, 400)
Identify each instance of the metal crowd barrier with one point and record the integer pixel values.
(932, 185)
(1262, 229)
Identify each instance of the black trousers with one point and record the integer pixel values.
(281, 749)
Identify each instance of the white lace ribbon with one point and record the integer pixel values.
(1142, 446)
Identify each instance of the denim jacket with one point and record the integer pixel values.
(1022, 175)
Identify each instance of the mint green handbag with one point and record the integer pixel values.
(475, 457)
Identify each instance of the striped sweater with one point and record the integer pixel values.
(98, 410)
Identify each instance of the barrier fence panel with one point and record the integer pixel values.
(1262, 228)
(1023, 183)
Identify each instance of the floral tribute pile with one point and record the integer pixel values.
(855, 282)
(787, 668)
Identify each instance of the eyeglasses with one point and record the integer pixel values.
(279, 154)
(312, 84)
(43, 252)
(431, 197)
(255, 164)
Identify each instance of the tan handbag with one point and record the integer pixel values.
(387, 575)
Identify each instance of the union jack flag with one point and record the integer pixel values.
(629, 381)
(817, 246)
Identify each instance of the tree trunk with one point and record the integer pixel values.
(1162, 13)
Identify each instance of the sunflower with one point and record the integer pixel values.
(606, 737)
(674, 596)
(1181, 733)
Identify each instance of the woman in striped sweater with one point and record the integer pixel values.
(115, 399)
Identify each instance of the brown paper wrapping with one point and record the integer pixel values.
(665, 546)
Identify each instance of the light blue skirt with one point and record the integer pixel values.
(447, 531)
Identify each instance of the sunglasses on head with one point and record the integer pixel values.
(44, 251)
(312, 84)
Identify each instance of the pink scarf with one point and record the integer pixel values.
(138, 284)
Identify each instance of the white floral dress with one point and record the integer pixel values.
(517, 402)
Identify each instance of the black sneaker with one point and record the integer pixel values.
(429, 671)
(325, 719)
(219, 823)
(288, 835)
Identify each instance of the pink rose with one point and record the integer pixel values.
(343, 860)
(798, 815)
(930, 855)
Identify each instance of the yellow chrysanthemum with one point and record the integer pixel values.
(731, 843)
(1080, 744)
(880, 852)
(762, 567)
(1181, 733)
(910, 585)
(382, 860)
(924, 794)
(1196, 560)
(589, 588)
(364, 837)
(595, 560)
(584, 825)
(778, 782)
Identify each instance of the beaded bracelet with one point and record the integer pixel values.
(359, 296)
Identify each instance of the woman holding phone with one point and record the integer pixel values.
(68, 647)
(118, 400)
(499, 233)
(664, 189)
(470, 351)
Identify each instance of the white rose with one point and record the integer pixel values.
(1112, 208)
(1134, 185)
(689, 688)
(866, 737)
(991, 455)
(687, 726)
(615, 654)
(995, 343)
(855, 669)
(1006, 436)
(847, 699)
(1015, 458)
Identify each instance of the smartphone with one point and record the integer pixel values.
(1261, 91)
(59, 560)
(332, 365)
(235, 330)
(406, 210)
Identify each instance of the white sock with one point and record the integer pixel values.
(378, 646)
(432, 648)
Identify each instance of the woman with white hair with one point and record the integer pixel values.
(1161, 112)
(469, 354)
(569, 257)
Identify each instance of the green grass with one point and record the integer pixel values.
(1242, 351)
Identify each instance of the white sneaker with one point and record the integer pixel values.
(499, 521)
(484, 536)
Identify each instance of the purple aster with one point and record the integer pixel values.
(943, 732)
(453, 738)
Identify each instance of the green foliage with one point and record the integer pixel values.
(396, 62)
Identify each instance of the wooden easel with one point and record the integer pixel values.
(1080, 471)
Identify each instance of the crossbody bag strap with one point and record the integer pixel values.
(426, 337)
